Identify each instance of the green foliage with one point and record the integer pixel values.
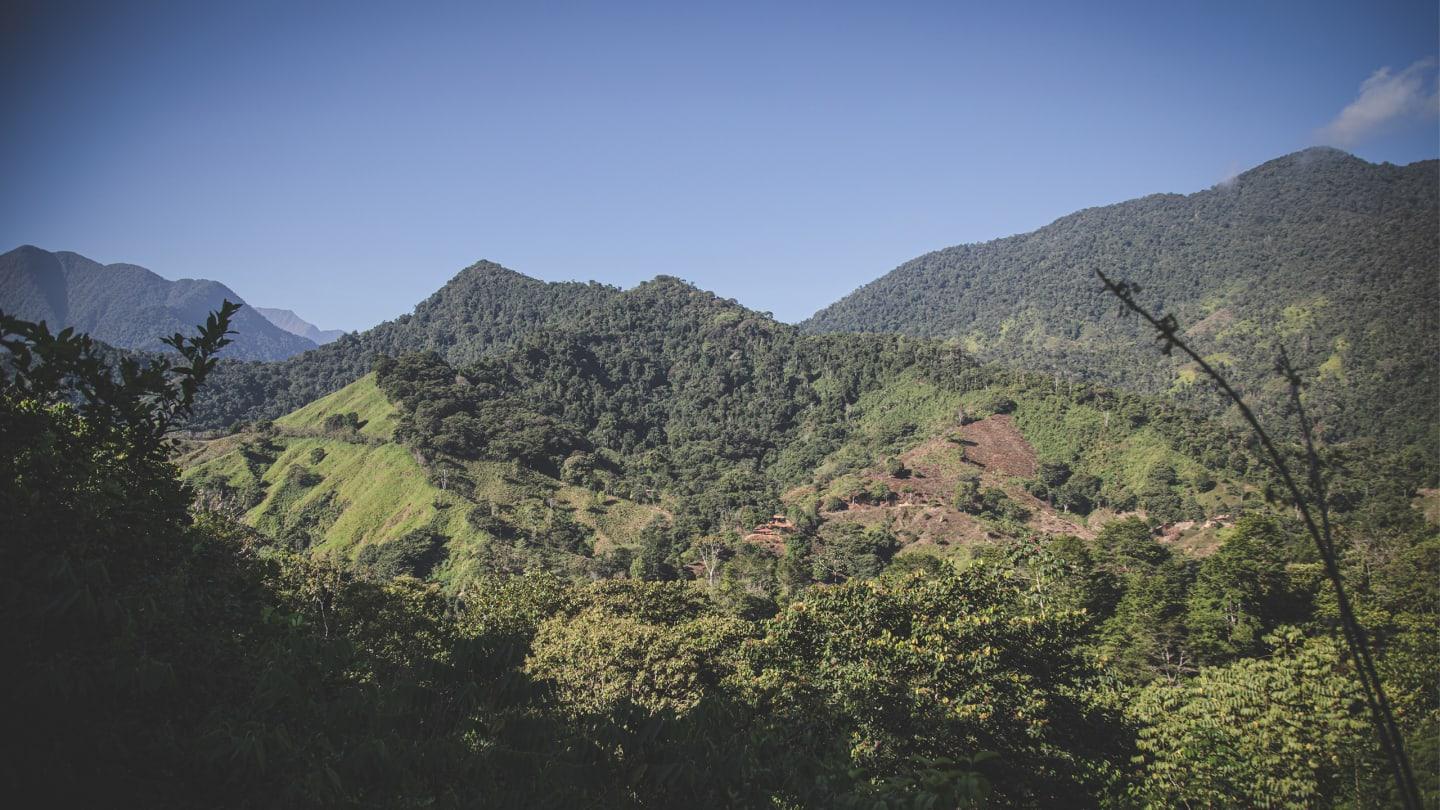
(653, 646)
(374, 416)
(415, 554)
(850, 550)
(348, 422)
(989, 502)
(183, 660)
(946, 666)
(1143, 634)
(372, 490)
(442, 413)
(484, 310)
(1240, 592)
(657, 556)
(1288, 730)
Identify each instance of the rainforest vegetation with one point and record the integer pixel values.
(533, 576)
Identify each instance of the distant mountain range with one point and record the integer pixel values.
(129, 306)
(287, 319)
(1333, 258)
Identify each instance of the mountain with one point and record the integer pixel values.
(129, 306)
(1320, 252)
(485, 309)
(287, 319)
(666, 406)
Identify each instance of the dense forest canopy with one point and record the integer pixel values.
(169, 655)
(1320, 252)
(483, 310)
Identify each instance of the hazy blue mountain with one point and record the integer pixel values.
(294, 324)
(1333, 258)
(128, 306)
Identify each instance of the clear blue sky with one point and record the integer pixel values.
(345, 160)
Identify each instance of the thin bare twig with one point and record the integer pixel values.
(1391, 741)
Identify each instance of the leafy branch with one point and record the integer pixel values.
(1313, 512)
(145, 399)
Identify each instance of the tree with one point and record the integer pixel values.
(655, 559)
(648, 645)
(1288, 730)
(1144, 635)
(895, 468)
(945, 665)
(711, 552)
(1240, 592)
(850, 550)
(967, 495)
(578, 469)
(414, 554)
(1080, 493)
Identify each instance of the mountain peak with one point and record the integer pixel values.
(127, 305)
(1309, 158)
(287, 319)
(485, 268)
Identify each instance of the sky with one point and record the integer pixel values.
(346, 159)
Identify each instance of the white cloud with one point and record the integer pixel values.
(1385, 100)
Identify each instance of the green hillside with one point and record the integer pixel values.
(1321, 253)
(715, 417)
(485, 309)
(376, 416)
(337, 490)
(1052, 464)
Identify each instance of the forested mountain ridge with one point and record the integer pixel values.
(795, 488)
(484, 309)
(128, 306)
(1320, 252)
(668, 396)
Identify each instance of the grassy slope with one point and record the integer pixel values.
(377, 415)
(366, 489)
(371, 490)
(383, 491)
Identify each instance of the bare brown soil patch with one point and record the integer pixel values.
(1428, 502)
(923, 511)
(1195, 538)
(996, 445)
(1212, 323)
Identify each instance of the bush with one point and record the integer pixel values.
(896, 468)
(415, 554)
